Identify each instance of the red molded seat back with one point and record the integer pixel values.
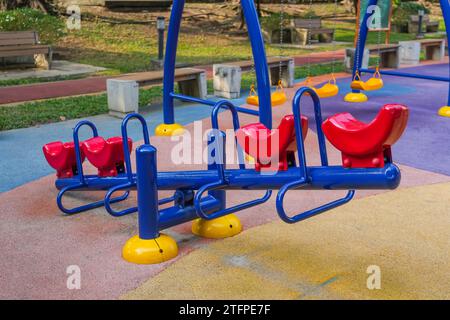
(61, 157)
(266, 145)
(366, 145)
(106, 155)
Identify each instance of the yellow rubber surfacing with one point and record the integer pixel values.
(405, 232)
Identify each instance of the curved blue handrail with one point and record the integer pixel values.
(126, 149)
(86, 206)
(218, 185)
(222, 183)
(76, 141)
(304, 179)
(227, 105)
(131, 180)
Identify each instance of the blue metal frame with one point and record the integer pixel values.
(363, 30)
(259, 56)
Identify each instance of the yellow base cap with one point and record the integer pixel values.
(150, 251)
(355, 97)
(444, 111)
(174, 129)
(223, 227)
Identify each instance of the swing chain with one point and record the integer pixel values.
(281, 38)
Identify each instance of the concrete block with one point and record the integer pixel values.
(227, 81)
(409, 52)
(123, 97)
(195, 88)
(349, 58)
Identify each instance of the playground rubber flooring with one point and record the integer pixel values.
(405, 232)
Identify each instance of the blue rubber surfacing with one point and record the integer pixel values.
(424, 144)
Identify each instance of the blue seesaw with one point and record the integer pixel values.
(200, 195)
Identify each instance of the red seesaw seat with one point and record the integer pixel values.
(366, 145)
(257, 142)
(61, 157)
(106, 155)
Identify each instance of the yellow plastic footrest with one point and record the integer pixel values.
(444, 111)
(223, 227)
(174, 129)
(151, 251)
(355, 97)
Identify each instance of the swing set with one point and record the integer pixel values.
(375, 82)
(200, 195)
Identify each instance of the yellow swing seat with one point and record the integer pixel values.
(329, 89)
(276, 98)
(374, 83)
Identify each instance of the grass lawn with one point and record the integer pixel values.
(55, 110)
(25, 81)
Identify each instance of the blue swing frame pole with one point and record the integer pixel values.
(361, 43)
(259, 56)
(170, 59)
(445, 8)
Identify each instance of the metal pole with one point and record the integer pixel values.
(419, 29)
(160, 25)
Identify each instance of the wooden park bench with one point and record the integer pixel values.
(434, 49)
(306, 28)
(427, 25)
(123, 91)
(22, 44)
(227, 76)
(191, 81)
(389, 54)
(298, 31)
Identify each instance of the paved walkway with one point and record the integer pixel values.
(15, 94)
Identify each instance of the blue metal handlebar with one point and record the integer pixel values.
(76, 141)
(304, 179)
(124, 212)
(310, 213)
(86, 206)
(225, 104)
(126, 149)
(220, 213)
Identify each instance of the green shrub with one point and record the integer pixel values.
(405, 9)
(50, 28)
(272, 21)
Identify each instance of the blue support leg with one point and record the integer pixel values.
(149, 246)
